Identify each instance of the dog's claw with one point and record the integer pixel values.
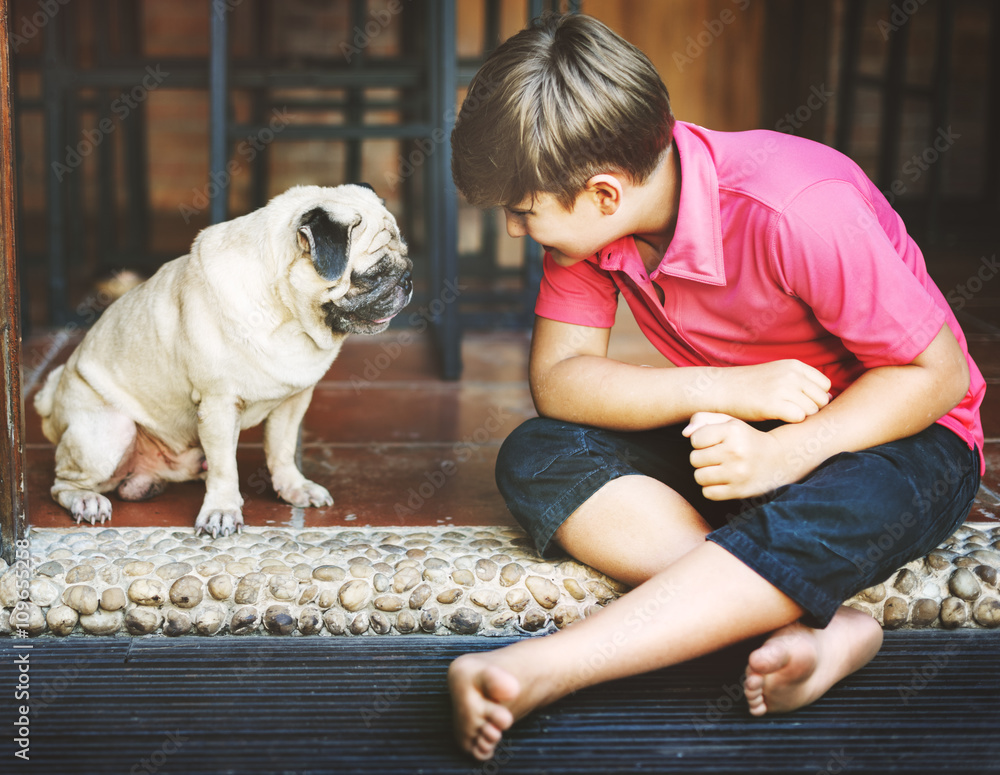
(86, 507)
(302, 493)
(217, 521)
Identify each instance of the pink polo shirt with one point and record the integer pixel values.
(783, 249)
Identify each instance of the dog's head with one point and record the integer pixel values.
(349, 261)
(329, 258)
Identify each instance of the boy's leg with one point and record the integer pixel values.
(794, 667)
(635, 527)
(619, 502)
(704, 601)
(632, 528)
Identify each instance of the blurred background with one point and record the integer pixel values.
(140, 122)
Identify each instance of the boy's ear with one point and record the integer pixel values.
(607, 192)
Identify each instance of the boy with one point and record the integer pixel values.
(825, 396)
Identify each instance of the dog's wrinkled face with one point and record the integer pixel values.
(361, 275)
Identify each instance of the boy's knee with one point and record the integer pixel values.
(529, 450)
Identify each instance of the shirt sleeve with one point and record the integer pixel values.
(829, 249)
(584, 294)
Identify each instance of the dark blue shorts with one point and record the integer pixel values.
(843, 528)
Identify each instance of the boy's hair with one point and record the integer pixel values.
(559, 102)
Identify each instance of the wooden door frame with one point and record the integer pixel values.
(13, 516)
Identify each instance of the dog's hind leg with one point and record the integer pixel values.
(88, 459)
(141, 487)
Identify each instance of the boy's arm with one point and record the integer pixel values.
(572, 379)
(734, 460)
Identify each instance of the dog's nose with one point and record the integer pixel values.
(406, 283)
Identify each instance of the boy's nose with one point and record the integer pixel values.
(515, 225)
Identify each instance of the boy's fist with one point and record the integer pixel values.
(786, 390)
(732, 459)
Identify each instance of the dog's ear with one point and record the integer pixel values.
(371, 188)
(327, 241)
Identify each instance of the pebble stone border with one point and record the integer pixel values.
(376, 581)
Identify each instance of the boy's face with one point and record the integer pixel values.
(569, 236)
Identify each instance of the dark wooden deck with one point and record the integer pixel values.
(927, 703)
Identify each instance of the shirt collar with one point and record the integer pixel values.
(695, 252)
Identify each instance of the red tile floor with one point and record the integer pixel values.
(396, 445)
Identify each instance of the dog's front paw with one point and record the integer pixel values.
(305, 493)
(89, 507)
(214, 520)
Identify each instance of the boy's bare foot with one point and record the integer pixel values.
(481, 694)
(797, 665)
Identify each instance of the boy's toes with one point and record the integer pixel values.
(490, 734)
(478, 691)
(753, 692)
(482, 750)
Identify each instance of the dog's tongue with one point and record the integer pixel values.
(385, 320)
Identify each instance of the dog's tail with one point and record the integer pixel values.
(45, 398)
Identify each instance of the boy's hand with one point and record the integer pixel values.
(786, 390)
(732, 459)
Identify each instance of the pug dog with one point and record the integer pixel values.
(235, 333)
